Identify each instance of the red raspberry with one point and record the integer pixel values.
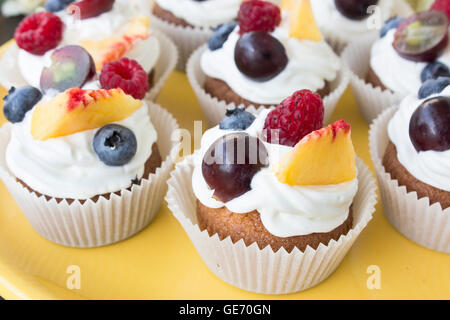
(39, 33)
(295, 117)
(257, 15)
(127, 75)
(442, 5)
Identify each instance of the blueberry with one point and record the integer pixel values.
(434, 70)
(221, 35)
(237, 119)
(57, 5)
(433, 86)
(19, 101)
(390, 24)
(115, 145)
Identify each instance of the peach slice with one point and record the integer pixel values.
(302, 24)
(77, 110)
(113, 48)
(324, 157)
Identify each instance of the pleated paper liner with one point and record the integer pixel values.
(215, 109)
(371, 100)
(165, 65)
(187, 39)
(429, 226)
(103, 222)
(266, 271)
(167, 61)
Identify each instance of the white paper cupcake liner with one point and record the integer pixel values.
(104, 222)
(371, 100)
(166, 64)
(264, 271)
(215, 109)
(426, 225)
(187, 39)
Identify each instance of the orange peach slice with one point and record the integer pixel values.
(114, 48)
(302, 24)
(77, 110)
(324, 157)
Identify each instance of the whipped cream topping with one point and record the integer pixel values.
(285, 210)
(145, 51)
(430, 167)
(68, 167)
(310, 65)
(209, 13)
(332, 21)
(396, 73)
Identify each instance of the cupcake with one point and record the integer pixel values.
(344, 21)
(261, 193)
(86, 166)
(108, 30)
(264, 58)
(190, 23)
(410, 146)
(408, 52)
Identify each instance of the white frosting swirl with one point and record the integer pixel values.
(68, 167)
(430, 167)
(332, 21)
(396, 73)
(209, 13)
(285, 210)
(310, 65)
(145, 51)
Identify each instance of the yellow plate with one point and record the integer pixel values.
(161, 262)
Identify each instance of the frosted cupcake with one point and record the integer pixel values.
(189, 23)
(264, 58)
(408, 52)
(411, 150)
(86, 166)
(264, 194)
(108, 30)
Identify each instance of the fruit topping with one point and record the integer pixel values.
(236, 157)
(286, 5)
(355, 9)
(442, 5)
(221, 35)
(324, 157)
(72, 66)
(57, 5)
(39, 33)
(433, 86)
(422, 37)
(77, 110)
(302, 24)
(127, 75)
(434, 70)
(86, 9)
(257, 15)
(429, 127)
(237, 119)
(260, 56)
(296, 117)
(390, 24)
(115, 47)
(19, 101)
(115, 145)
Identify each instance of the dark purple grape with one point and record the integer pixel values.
(422, 37)
(230, 164)
(72, 66)
(355, 9)
(260, 56)
(429, 127)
